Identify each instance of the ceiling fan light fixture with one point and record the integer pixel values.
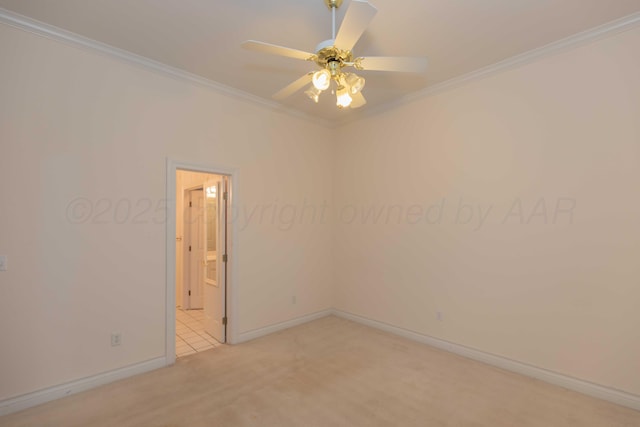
(334, 54)
(343, 99)
(313, 93)
(321, 79)
(354, 82)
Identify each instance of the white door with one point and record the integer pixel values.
(215, 250)
(194, 249)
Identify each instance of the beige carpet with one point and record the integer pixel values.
(330, 372)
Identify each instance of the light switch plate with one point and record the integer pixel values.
(3, 263)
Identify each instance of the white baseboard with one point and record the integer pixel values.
(28, 400)
(257, 333)
(615, 396)
(581, 386)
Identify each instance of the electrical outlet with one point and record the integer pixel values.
(294, 299)
(439, 316)
(3, 263)
(116, 339)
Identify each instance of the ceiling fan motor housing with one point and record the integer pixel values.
(326, 52)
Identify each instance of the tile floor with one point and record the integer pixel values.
(190, 335)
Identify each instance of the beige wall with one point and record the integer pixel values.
(74, 124)
(558, 292)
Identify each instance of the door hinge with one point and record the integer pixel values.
(189, 248)
(224, 320)
(225, 195)
(189, 293)
(190, 205)
(224, 258)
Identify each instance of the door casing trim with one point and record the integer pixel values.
(173, 166)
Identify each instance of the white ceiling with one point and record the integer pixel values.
(203, 37)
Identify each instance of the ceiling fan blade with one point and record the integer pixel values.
(358, 100)
(392, 63)
(293, 87)
(356, 20)
(277, 50)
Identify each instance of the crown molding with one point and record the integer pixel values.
(49, 31)
(583, 38)
(67, 37)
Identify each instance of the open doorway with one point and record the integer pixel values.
(201, 253)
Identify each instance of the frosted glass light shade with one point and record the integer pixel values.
(343, 99)
(313, 93)
(355, 83)
(321, 79)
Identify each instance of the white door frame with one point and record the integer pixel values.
(170, 293)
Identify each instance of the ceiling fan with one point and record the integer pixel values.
(333, 55)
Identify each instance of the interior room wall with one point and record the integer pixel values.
(509, 206)
(84, 226)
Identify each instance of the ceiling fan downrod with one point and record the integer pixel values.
(333, 5)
